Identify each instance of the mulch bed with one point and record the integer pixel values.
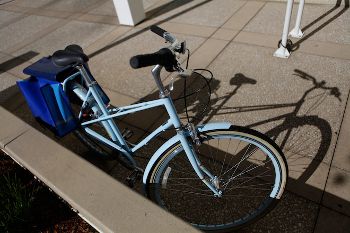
(48, 213)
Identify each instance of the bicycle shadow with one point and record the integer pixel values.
(304, 138)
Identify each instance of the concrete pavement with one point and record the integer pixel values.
(229, 38)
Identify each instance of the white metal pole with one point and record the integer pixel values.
(296, 32)
(282, 51)
(129, 12)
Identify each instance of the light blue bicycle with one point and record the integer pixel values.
(216, 176)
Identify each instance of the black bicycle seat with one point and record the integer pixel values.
(71, 55)
(74, 48)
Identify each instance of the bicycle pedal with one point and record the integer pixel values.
(136, 175)
(127, 133)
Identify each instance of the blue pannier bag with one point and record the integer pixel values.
(49, 103)
(47, 100)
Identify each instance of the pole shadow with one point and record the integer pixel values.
(296, 45)
(101, 50)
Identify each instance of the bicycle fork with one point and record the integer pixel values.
(182, 133)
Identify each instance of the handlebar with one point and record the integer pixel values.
(163, 57)
(166, 57)
(157, 30)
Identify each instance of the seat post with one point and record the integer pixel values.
(85, 75)
(163, 92)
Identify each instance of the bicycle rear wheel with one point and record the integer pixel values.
(93, 144)
(250, 169)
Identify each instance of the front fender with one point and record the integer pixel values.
(172, 141)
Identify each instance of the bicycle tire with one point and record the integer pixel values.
(199, 206)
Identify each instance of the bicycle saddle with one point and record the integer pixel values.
(71, 55)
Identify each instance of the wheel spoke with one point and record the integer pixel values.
(244, 173)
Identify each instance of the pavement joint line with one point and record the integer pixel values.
(299, 51)
(152, 125)
(336, 143)
(38, 35)
(228, 42)
(100, 19)
(16, 19)
(16, 137)
(38, 12)
(48, 30)
(106, 39)
(167, 76)
(15, 7)
(121, 93)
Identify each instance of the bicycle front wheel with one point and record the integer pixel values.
(249, 169)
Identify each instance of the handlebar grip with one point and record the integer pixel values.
(157, 30)
(163, 57)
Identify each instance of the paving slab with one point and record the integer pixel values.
(71, 6)
(107, 39)
(106, 8)
(310, 46)
(292, 214)
(224, 34)
(13, 128)
(205, 54)
(74, 32)
(203, 31)
(7, 80)
(32, 4)
(199, 12)
(105, 19)
(331, 221)
(14, 65)
(341, 157)
(271, 18)
(337, 194)
(243, 15)
(7, 17)
(10, 6)
(100, 202)
(20, 30)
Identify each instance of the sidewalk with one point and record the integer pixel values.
(232, 38)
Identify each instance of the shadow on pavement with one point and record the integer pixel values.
(16, 61)
(146, 29)
(310, 34)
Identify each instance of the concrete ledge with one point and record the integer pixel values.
(102, 201)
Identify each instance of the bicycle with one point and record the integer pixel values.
(242, 183)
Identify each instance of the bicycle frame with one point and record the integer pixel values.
(118, 142)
